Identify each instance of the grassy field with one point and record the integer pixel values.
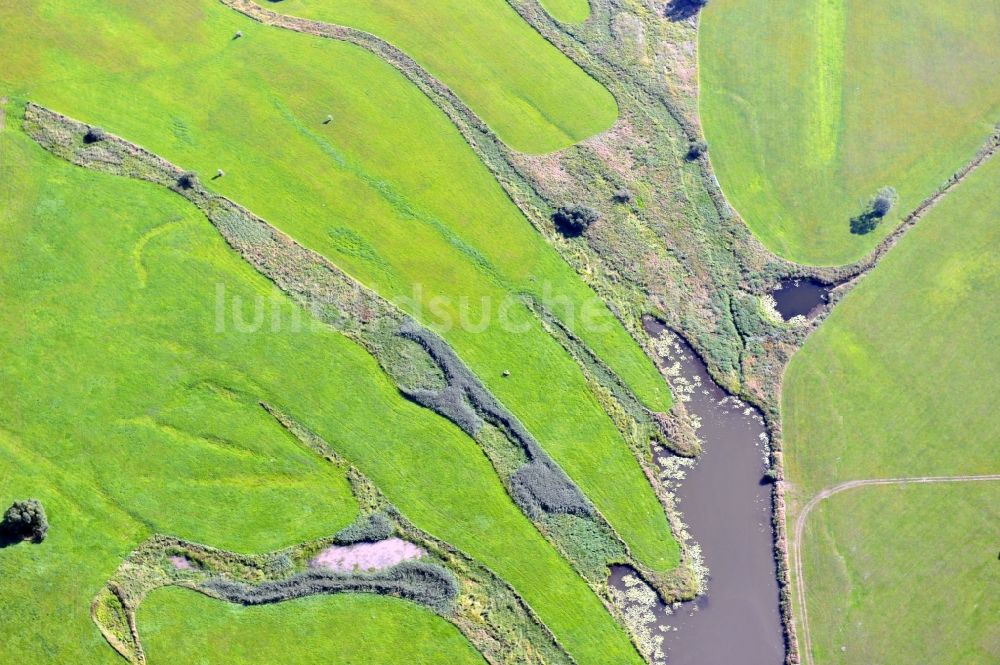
(389, 191)
(567, 11)
(811, 106)
(532, 95)
(145, 420)
(921, 587)
(900, 381)
(184, 627)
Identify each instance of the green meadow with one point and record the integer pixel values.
(901, 380)
(812, 106)
(130, 409)
(180, 626)
(389, 191)
(532, 95)
(905, 575)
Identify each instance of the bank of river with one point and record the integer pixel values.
(726, 504)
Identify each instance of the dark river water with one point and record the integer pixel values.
(726, 506)
(801, 297)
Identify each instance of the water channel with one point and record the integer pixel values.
(726, 504)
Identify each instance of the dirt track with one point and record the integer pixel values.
(800, 525)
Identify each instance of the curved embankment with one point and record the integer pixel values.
(800, 526)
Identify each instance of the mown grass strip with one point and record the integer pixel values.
(183, 626)
(532, 95)
(567, 11)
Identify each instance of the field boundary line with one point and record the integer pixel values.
(800, 524)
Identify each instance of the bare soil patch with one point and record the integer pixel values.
(367, 556)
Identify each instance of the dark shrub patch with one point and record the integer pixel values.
(188, 180)
(540, 487)
(879, 207)
(678, 10)
(696, 149)
(25, 520)
(94, 134)
(451, 403)
(864, 223)
(573, 220)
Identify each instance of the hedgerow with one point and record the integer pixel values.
(419, 582)
(541, 488)
(368, 528)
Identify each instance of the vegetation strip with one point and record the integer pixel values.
(494, 618)
(423, 366)
(800, 526)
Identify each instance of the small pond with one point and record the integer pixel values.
(801, 297)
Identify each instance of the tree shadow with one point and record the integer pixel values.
(681, 10)
(8, 537)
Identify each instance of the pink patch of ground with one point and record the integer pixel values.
(367, 556)
(180, 563)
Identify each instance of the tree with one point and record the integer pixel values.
(877, 209)
(573, 220)
(679, 10)
(26, 519)
(881, 206)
